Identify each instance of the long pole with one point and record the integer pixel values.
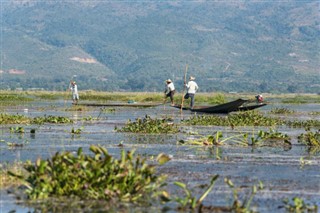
(184, 87)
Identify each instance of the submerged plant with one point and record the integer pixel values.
(282, 111)
(216, 139)
(18, 129)
(97, 176)
(51, 119)
(149, 125)
(190, 201)
(242, 206)
(76, 131)
(14, 119)
(310, 138)
(305, 124)
(248, 118)
(298, 205)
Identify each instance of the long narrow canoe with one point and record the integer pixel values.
(221, 108)
(251, 106)
(120, 104)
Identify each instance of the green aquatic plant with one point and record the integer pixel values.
(22, 119)
(310, 138)
(264, 138)
(190, 201)
(52, 119)
(314, 113)
(303, 124)
(249, 118)
(150, 125)
(298, 205)
(96, 176)
(76, 131)
(282, 111)
(78, 108)
(244, 139)
(9, 97)
(242, 206)
(215, 139)
(14, 119)
(17, 129)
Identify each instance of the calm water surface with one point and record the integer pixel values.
(279, 168)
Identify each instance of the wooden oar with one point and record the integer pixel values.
(184, 87)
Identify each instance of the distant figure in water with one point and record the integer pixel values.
(74, 90)
(169, 92)
(192, 87)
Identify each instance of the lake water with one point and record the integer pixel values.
(279, 168)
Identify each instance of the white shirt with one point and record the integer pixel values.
(170, 87)
(192, 87)
(74, 89)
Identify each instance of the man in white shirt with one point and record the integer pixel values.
(74, 90)
(192, 87)
(169, 92)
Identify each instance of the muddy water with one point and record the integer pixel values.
(279, 168)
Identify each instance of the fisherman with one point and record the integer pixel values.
(192, 87)
(74, 90)
(259, 98)
(169, 91)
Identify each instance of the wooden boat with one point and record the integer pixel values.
(142, 105)
(247, 107)
(221, 108)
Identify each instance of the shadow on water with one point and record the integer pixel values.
(279, 168)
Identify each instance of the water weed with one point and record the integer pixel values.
(190, 201)
(14, 119)
(17, 129)
(310, 138)
(281, 111)
(94, 176)
(76, 131)
(22, 119)
(150, 125)
(249, 118)
(303, 124)
(242, 206)
(298, 205)
(51, 119)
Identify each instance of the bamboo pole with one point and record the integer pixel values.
(184, 87)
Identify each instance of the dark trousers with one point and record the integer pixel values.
(170, 94)
(190, 95)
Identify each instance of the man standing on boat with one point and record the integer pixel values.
(169, 92)
(74, 90)
(192, 87)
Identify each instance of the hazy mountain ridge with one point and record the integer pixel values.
(242, 46)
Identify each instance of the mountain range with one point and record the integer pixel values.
(229, 46)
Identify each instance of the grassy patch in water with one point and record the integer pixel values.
(95, 176)
(301, 99)
(14, 119)
(248, 118)
(310, 138)
(303, 124)
(22, 119)
(150, 125)
(281, 111)
(271, 138)
(13, 97)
